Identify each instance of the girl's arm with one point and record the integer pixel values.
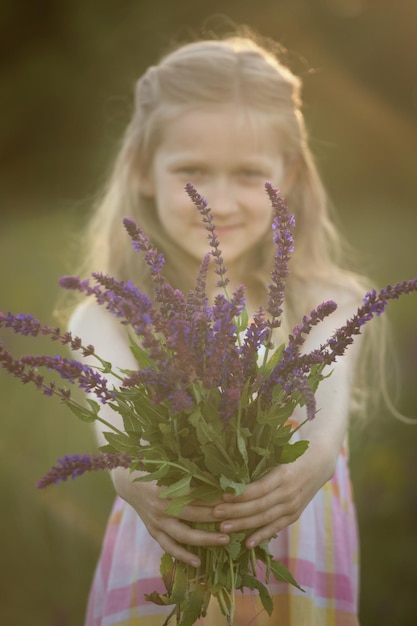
(98, 327)
(278, 499)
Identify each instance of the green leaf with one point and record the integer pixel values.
(84, 414)
(177, 489)
(159, 598)
(242, 321)
(235, 546)
(177, 504)
(253, 583)
(276, 414)
(281, 572)
(157, 474)
(261, 451)
(204, 431)
(176, 590)
(122, 443)
(225, 601)
(153, 453)
(141, 355)
(208, 493)
(231, 487)
(166, 429)
(291, 451)
(215, 463)
(166, 569)
(179, 586)
(274, 358)
(94, 406)
(147, 412)
(196, 599)
(241, 444)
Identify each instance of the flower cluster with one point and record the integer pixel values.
(202, 413)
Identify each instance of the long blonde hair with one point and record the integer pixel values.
(240, 71)
(235, 70)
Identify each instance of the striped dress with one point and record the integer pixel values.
(320, 549)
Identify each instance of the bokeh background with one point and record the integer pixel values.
(67, 73)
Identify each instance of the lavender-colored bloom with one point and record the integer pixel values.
(121, 298)
(374, 303)
(197, 300)
(127, 303)
(256, 335)
(229, 403)
(78, 464)
(26, 369)
(282, 223)
(222, 355)
(27, 325)
(317, 315)
(202, 205)
(291, 353)
(141, 242)
(298, 383)
(88, 379)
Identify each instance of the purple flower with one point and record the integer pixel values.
(282, 223)
(207, 218)
(197, 301)
(27, 325)
(374, 303)
(297, 383)
(26, 369)
(140, 242)
(256, 335)
(78, 464)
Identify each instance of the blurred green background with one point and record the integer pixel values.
(68, 68)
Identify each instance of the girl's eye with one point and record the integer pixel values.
(251, 174)
(191, 171)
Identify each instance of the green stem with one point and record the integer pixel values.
(253, 560)
(232, 592)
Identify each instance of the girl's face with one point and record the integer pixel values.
(227, 159)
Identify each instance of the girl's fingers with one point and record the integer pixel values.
(271, 516)
(262, 487)
(175, 550)
(192, 513)
(182, 533)
(171, 532)
(267, 532)
(236, 510)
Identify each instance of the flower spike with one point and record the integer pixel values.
(207, 218)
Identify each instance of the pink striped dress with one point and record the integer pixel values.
(320, 549)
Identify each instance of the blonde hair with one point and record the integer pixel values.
(235, 70)
(240, 71)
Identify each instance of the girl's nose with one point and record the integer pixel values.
(222, 197)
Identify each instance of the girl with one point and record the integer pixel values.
(225, 116)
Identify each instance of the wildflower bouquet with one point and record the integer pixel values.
(207, 411)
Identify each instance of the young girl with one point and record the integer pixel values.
(225, 116)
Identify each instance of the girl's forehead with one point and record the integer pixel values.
(220, 127)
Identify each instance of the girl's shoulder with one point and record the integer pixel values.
(87, 316)
(347, 295)
(97, 326)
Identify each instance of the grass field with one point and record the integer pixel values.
(50, 540)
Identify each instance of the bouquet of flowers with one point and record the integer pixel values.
(208, 409)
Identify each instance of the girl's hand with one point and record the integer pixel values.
(169, 531)
(277, 499)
